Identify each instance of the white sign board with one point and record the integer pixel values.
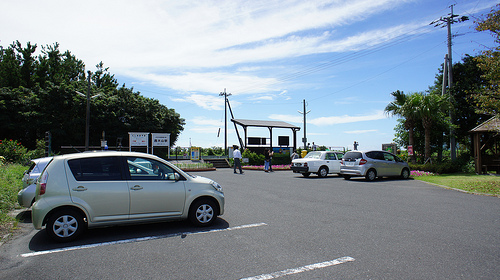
(161, 139)
(138, 139)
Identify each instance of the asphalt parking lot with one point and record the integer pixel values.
(281, 225)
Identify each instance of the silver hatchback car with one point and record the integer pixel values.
(26, 196)
(95, 189)
(373, 164)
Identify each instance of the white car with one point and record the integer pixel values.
(318, 162)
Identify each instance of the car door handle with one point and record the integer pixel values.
(136, 188)
(80, 189)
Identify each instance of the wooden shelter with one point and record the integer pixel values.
(270, 125)
(486, 139)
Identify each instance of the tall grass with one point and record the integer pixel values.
(10, 184)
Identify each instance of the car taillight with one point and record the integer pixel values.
(362, 161)
(305, 164)
(43, 183)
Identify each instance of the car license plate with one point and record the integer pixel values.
(349, 163)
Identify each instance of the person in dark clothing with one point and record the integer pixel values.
(267, 160)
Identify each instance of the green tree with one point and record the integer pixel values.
(404, 107)
(489, 62)
(430, 108)
(38, 94)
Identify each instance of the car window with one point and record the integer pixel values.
(375, 155)
(389, 157)
(148, 169)
(331, 156)
(352, 156)
(340, 156)
(315, 155)
(96, 169)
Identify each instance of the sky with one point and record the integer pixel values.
(342, 58)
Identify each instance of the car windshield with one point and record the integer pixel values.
(352, 155)
(315, 155)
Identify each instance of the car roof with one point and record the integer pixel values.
(91, 154)
(39, 160)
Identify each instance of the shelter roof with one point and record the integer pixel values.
(257, 123)
(492, 124)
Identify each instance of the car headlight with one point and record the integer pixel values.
(216, 186)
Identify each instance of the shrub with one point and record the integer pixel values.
(253, 158)
(446, 167)
(13, 151)
(281, 159)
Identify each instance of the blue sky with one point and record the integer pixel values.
(344, 57)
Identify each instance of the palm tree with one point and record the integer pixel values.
(430, 109)
(404, 106)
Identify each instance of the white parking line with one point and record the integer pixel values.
(300, 269)
(183, 234)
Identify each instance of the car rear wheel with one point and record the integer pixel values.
(371, 175)
(405, 174)
(65, 225)
(323, 172)
(203, 213)
(306, 174)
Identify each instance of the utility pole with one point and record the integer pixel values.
(442, 22)
(87, 122)
(225, 119)
(304, 113)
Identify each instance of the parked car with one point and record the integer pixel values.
(373, 164)
(79, 191)
(318, 162)
(26, 196)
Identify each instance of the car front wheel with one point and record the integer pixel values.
(371, 175)
(65, 225)
(203, 213)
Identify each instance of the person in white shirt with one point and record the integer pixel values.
(237, 159)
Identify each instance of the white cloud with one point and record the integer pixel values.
(206, 122)
(378, 115)
(332, 120)
(207, 102)
(287, 118)
(134, 34)
(214, 82)
(360, 131)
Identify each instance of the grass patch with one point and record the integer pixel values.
(484, 184)
(10, 184)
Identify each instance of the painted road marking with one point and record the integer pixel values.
(182, 234)
(300, 269)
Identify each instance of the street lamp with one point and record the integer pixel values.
(87, 122)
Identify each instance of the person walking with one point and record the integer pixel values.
(271, 153)
(267, 160)
(237, 159)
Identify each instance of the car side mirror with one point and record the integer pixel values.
(174, 176)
